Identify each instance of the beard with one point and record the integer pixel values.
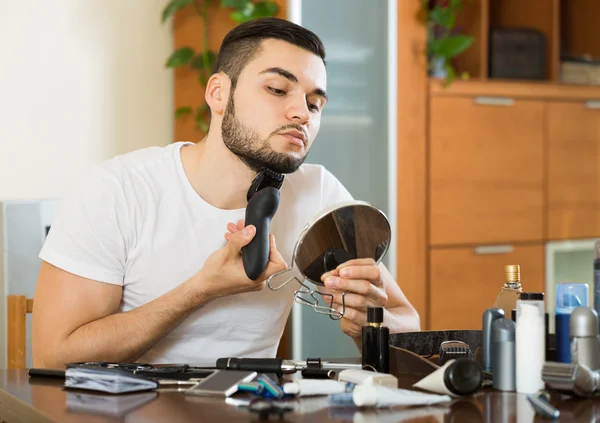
(244, 141)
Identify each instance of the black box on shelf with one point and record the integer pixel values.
(517, 53)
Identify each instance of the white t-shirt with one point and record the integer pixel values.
(136, 221)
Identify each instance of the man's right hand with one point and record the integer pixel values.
(223, 272)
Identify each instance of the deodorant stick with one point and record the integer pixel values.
(503, 354)
(489, 316)
(583, 330)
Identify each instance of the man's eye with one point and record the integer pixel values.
(313, 107)
(276, 91)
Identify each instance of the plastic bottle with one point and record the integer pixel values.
(531, 342)
(569, 296)
(597, 276)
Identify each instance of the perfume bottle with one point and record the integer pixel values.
(375, 342)
(511, 291)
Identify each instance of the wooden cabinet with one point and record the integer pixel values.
(465, 281)
(485, 170)
(573, 169)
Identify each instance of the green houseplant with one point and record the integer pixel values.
(444, 42)
(202, 61)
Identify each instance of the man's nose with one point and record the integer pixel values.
(298, 111)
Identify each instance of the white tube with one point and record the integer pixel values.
(304, 387)
(434, 382)
(382, 396)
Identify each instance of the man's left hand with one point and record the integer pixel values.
(361, 280)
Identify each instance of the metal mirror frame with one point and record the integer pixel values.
(305, 295)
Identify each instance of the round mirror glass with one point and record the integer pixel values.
(354, 230)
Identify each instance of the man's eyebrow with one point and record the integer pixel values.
(291, 77)
(282, 72)
(320, 92)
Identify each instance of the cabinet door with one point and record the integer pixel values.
(486, 170)
(466, 281)
(573, 170)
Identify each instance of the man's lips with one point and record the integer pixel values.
(294, 139)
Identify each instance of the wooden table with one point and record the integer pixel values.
(25, 400)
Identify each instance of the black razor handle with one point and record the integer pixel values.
(259, 212)
(260, 365)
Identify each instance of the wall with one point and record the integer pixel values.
(80, 81)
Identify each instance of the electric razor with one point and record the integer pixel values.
(263, 201)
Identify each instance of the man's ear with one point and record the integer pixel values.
(217, 92)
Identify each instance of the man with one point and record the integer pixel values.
(143, 263)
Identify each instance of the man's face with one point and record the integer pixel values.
(274, 113)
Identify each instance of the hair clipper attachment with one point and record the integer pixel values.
(263, 201)
(265, 178)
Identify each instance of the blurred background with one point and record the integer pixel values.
(474, 125)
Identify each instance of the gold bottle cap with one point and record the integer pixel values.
(512, 275)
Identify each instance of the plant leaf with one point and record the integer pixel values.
(172, 7)
(236, 4)
(201, 110)
(202, 125)
(443, 17)
(243, 15)
(182, 111)
(451, 74)
(180, 57)
(265, 9)
(204, 60)
(202, 78)
(453, 45)
(201, 114)
(210, 58)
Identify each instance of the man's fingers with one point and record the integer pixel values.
(367, 272)
(333, 272)
(275, 256)
(358, 286)
(357, 262)
(356, 301)
(240, 224)
(241, 238)
(353, 315)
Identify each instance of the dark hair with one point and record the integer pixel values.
(243, 43)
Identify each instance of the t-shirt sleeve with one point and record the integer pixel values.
(88, 234)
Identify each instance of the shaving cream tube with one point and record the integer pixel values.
(383, 396)
(458, 377)
(305, 387)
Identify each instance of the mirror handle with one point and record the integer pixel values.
(280, 279)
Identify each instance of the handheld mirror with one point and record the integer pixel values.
(345, 231)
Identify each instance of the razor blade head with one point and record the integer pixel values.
(570, 378)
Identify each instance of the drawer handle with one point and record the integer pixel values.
(494, 101)
(493, 249)
(592, 104)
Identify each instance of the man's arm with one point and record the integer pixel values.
(369, 285)
(76, 319)
(399, 314)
